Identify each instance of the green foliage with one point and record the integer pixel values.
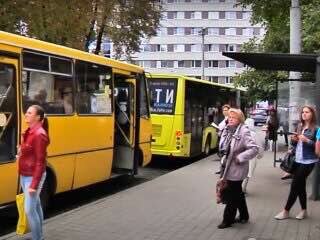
(275, 17)
(76, 23)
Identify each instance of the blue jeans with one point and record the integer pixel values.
(32, 206)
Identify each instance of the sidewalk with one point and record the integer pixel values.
(181, 205)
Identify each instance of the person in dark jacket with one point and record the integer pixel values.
(32, 155)
(305, 158)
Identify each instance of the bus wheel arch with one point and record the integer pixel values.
(48, 188)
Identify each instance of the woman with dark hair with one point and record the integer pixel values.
(272, 127)
(32, 166)
(305, 158)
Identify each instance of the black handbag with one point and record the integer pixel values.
(287, 163)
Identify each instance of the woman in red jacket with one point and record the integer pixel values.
(32, 166)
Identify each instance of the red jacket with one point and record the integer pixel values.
(33, 153)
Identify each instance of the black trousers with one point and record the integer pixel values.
(298, 185)
(236, 200)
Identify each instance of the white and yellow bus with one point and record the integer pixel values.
(99, 121)
(182, 111)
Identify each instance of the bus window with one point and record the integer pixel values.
(44, 81)
(144, 109)
(49, 91)
(94, 88)
(7, 113)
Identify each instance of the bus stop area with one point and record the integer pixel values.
(182, 205)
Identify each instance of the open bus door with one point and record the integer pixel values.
(8, 129)
(125, 124)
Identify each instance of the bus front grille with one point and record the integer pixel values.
(156, 130)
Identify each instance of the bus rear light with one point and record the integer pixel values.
(179, 133)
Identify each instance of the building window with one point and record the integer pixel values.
(196, 31)
(212, 78)
(196, 63)
(246, 15)
(181, 64)
(166, 64)
(231, 48)
(196, 48)
(178, 48)
(213, 48)
(231, 15)
(178, 31)
(180, 15)
(213, 31)
(212, 64)
(164, 16)
(247, 32)
(178, 64)
(145, 48)
(228, 80)
(161, 32)
(231, 31)
(213, 15)
(231, 64)
(196, 15)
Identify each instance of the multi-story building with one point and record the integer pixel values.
(177, 48)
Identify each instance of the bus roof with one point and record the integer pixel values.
(46, 47)
(171, 75)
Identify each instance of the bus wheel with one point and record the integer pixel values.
(207, 147)
(45, 195)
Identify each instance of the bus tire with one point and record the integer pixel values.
(207, 149)
(45, 195)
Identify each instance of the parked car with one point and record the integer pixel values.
(259, 116)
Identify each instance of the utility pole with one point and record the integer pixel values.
(203, 33)
(295, 48)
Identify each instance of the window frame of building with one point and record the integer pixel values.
(213, 31)
(231, 15)
(213, 47)
(195, 31)
(248, 32)
(231, 31)
(231, 47)
(196, 48)
(178, 48)
(196, 63)
(178, 31)
(213, 63)
(213, 15)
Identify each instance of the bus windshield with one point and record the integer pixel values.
(163, 95)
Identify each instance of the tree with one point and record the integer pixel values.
(275, 17)
(77, 23)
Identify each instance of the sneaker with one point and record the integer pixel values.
(302, 215)
(282, 215)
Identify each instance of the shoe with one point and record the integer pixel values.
(302, 215)
(286, 177)
(241, 220)
(224, 225)
(282, 215)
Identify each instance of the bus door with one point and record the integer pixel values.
(8, 129)
(196, 128)
(125, 113)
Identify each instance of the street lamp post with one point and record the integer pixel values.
(202, 32)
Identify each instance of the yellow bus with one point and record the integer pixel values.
(183, 111)
(98, 112)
